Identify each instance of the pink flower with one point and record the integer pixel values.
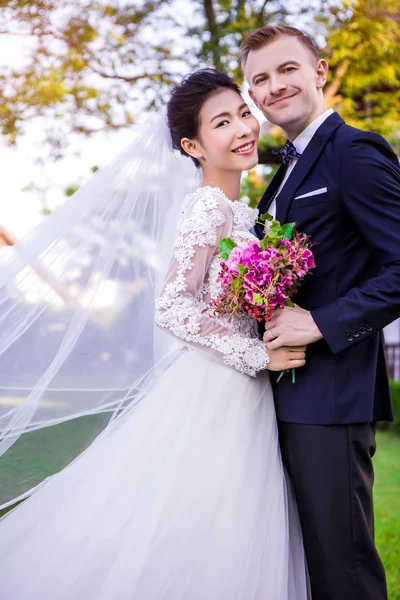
(257, 280)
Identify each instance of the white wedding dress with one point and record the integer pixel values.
(184, 497)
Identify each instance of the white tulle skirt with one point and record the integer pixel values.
(184, 498)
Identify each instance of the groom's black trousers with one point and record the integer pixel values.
(331, 470)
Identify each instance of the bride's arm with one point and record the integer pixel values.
(179, 308)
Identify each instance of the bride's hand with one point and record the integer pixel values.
(286, 357)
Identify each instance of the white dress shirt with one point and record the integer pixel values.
(300, 143)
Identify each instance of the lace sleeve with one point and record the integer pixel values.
(180, 306)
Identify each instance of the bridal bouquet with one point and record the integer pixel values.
(259, 276)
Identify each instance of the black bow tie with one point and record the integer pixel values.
(287, 152)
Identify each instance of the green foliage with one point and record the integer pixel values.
(70, 190)
(276, 231)
(265, 217)
(363, 53)
(253, 184)
(91, 63)
(271, 143)
(225, 23)
(387, 508)
(395, 391)
(288, 302)
(287, 230)
(395, 425)
(225, 247)
(96, 64)
(236, 284)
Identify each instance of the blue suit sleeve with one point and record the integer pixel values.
(370, 191)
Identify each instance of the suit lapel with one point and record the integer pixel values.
(305, 163)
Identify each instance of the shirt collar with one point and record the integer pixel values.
(304, 138)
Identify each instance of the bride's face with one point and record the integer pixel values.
(228, 133)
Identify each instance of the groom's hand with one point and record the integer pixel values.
(291, 327)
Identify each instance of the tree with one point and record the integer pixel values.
(363, 52)
(91, 63)
(225, 23)
(97, 63)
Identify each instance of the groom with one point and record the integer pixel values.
(342, 186)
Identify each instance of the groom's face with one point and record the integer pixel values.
(286, 82)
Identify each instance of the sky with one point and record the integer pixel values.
(20, 210)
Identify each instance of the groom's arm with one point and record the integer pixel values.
(370, 188)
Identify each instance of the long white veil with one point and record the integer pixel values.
(77, 337)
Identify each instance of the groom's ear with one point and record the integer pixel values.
(253, 97)
(322, 73)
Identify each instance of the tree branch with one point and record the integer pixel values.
(260, 14)
(132, 79)
(213, 29)
(240, 8)
(332, 89)
(18, 33)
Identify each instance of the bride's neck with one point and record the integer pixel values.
(227, 181)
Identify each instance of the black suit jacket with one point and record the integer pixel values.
(354, 290)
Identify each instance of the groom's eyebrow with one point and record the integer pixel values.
(278, 68)
(228, 114)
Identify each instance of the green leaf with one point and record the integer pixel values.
(275, 235)
(225, 247)
(289, 303)
(288, 230)
(236, 284)
(257, 298)
(281, 374)
(266, 217)
(242, 269)
(275, 226)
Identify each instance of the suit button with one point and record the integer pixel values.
(363, 330)
(349, 337)
(369, 327)
(356, 333)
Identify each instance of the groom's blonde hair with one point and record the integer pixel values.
(264, 36)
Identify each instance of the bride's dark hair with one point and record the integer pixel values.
(187, 99)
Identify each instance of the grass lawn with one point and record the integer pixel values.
(41, 453)
(32, 455)
(387, 508)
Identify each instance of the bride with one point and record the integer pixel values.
(183, 495)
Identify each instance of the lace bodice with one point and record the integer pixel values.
(207, 217)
